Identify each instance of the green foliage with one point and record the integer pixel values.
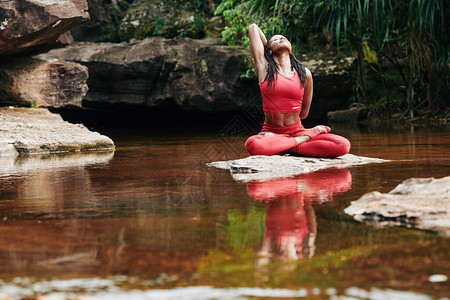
(249, 73)
(406, 37)
(169, 19)
(197, 28)
(272, 16)
(240, 237)
(110, 33)
(243, 231)
(33, 105)
(236, 31)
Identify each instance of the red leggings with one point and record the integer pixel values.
(323, 145)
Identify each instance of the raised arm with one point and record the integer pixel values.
(257, 43)
(307, 95)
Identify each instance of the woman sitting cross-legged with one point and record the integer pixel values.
(286, 89)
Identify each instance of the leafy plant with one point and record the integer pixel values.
(406, 37)
(273, 17)
(33, 105)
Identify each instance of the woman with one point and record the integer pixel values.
(286, 89)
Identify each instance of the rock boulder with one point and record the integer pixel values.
(36, 82)
(194, 75)
(351, 115)
(417, 202)
(27, 25)
(331, 88)
(27, 131)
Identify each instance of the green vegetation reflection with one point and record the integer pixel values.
(355, 255)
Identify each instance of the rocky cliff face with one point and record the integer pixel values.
(30, 26)
(26, 27)
(195, 75)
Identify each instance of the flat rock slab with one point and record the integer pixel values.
(261, 167)
(417, 202)
(25, 131)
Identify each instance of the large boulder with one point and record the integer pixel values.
(351, 115)
(331, 78)
(417, 202)
(36, 82)
(196, 75)
(27, 25)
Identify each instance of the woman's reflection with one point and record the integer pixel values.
(290, 218)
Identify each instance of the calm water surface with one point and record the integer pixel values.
(151, 217)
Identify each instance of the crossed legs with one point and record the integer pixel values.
(316, 142)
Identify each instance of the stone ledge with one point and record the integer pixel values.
(29, 131)
(261, 168)
(417, 202)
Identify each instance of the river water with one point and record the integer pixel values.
(151, 221)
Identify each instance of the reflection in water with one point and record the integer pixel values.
(290, 218)
(43, 187)
(154, 217)
(20, 166)
(45, 184)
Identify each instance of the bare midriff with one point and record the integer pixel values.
(281, 119)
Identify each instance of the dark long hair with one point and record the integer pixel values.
(272, 69)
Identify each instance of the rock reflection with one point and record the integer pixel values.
(35, 191)
(291, 226)
(46, 186)
(20, 166)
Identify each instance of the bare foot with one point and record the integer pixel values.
(313, 132)
(308, 134)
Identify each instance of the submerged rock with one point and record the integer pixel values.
(27, 131)
(417, 202)
(261, 167)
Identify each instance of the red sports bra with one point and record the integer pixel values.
(286, 95)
